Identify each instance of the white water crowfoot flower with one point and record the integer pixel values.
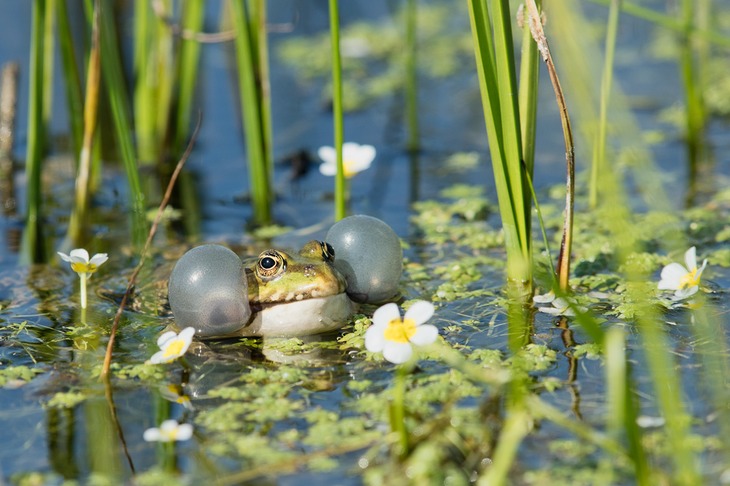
(169, 431)
(394, 336)
(83, 266)
(172, 345)
(684, 281)
(355, 158)
(559, 306)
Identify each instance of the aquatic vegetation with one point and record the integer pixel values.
(395, 336)
(685, 281)
(83, 266)
(172, 345)
(355, 159)
(169, 431)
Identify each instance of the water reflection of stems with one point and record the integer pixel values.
(412, 75)
(337, 113)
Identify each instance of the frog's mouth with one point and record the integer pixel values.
(300, 317)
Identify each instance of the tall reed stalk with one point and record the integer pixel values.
(83, 174)
(694, 99)
(599, 148)
(114, 82)
(252, 105)
(72, 85)
(31, 248)
(193, 14)
(154, 78)
(493, 47)
(337, 112)
(411, 67)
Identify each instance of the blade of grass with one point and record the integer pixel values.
(337, 113)
(83, 175)
(599, 149)
(114, 82)
(193, 15)
(69, 64)
(36, 137)
(252, 117)
(411, 67)
(497, 87)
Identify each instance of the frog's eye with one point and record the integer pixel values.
(327, 251)
(271, 263)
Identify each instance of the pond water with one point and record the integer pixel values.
(298, 411)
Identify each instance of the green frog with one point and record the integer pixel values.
(295, 294)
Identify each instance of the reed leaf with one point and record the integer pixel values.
(253, 121)
(193, 14)
(114, 82)
(337, 112)
(31, 249)
(496, 70)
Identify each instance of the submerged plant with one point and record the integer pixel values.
(355, 159)
(83, 266)
(395, 336)
(172, 345)
(169, 431)
(684, 281)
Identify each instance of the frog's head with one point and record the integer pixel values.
(278, 277)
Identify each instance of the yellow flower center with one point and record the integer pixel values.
(347, 167)
(81, 267)
(400, 331)
(690, 279)
(174, 348)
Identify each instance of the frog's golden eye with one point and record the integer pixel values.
(271, 263)
(327, 251)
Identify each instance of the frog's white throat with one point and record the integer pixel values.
(301, 318)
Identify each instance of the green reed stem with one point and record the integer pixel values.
(620, 409)
(493, 50)
(69, 64)
(83, 174)
(193, 15)
(516, 427)
(397, 409)
(411, 67)
(529, 77)
(113, 79)
(599, 148)
(695, 114)
(48, 60)
(259, 26)
(337, 113)
(36, 136)
(253, 121)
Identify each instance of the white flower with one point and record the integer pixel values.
(684, 281)
(169, 431)
(394, 336)
(355, 158)
(80, 263)
(175, 393)
(172, 345)
(559, 306)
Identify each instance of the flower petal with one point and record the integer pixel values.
(425, 334)
(397, 353)
(671, 277)
(164, 337)
(690, 258)
(386, 313)
(152, 435)
(681, 294)
(328, 154)
(159, 358)
(420, 311)
(79, 255)
(184, 432)
(328, 169)
(99, 258)
(544, 298)
(64, 257)
(375, 339)
(702, 269)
